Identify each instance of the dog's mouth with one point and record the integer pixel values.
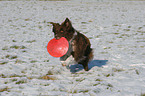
(57, 37)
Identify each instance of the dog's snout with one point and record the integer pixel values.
(57, 37)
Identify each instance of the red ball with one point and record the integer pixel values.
(58, 47)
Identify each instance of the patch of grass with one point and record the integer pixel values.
(107, 48)
(83, 91)
(14, 40)
(120, 37)
(6, 82)
(53, 0)
(33, 61)
(5, 48)
(96, 84)
(142, 94)
(24, 51)
(15, 75)
(90, 37)
(23, 26)
(46, 78)
(129, 26)
(98, 80)
(103, 52)
(141, 31)
(140, 41)
(2, 63)
(21, 82)
(11, 57)
(46, 60)
(7, 56)
(139, 28)
(49, 73)
(84, 22)
(90, 21)
(97, 36)
(126, 29)
(23, 71)
(142, 46)
(31, 41)
(96, 91)
(118, 91)
(22, 47)
(116, 33)
(2, 76)
(109, 86)
(110, 41)
(108, 75)
(125, 35)
(74, 91)
(117, 70)
(80, 80)
(46, 84)
(8, 20)
(137, 72)
(115, 25)
(4, 89)
(40, 27)
(85, 32)
(17, 47)
(14, 80)
(19, 61)
(27, 19)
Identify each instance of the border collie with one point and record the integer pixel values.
(79, 45)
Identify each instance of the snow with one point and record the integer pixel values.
(116, 30)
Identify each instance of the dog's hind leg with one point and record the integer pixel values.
(86, 58)
(84, 62)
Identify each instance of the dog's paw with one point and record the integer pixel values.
(64, 64)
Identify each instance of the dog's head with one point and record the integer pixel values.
(64, 29)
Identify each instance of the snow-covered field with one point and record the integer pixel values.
(117, 33)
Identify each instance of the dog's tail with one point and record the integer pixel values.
(89, 53)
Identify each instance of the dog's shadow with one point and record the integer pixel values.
(78, 67)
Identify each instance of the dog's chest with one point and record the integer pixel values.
(68, 59)
(72, 44)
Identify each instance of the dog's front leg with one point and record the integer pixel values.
(63, 60)
(66, 61)
(67, 57)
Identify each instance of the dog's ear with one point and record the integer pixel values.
(67, 23)
(55, 26)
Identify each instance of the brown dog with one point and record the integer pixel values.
(79, 44)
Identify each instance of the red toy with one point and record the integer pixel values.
(58, 47)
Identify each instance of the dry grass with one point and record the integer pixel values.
(4, 89)
(143, 94)
(47, 78)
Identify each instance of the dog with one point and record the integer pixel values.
(79, 45)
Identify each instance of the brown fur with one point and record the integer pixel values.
(81, 47)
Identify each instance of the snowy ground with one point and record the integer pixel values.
(117, 34)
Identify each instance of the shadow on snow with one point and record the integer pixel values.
(78, 67)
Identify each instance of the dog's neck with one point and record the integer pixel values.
(74, 35)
